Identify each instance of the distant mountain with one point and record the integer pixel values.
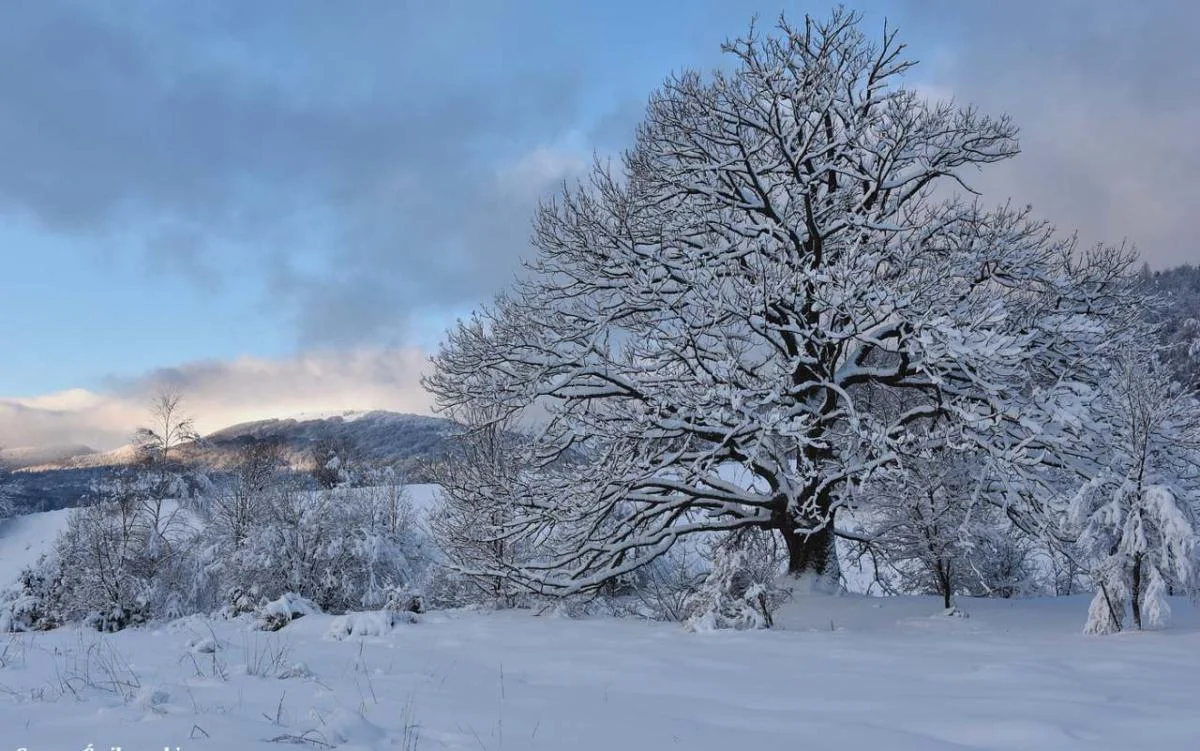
(376, 437)
(57, 478)
(32, 456)
(91, 459)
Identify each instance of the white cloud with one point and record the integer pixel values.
(539, 170)
(220, 394)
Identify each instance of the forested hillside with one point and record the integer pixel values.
(1178, 313)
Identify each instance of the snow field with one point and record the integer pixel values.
(844, 673)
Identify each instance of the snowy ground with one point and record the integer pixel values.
(843, 673)
(849, 673)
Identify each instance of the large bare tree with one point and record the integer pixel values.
(720, 327)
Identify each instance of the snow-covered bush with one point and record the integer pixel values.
(32, 604)
(124, 558)
(343, 548)
(1002, 560)
(135, 554)
(375, 623)
(281, 611)
(1063, 571)
(445, 588)
(400, 600)
(742, 589)
(334, 463)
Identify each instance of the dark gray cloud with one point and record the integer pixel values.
(369, 163)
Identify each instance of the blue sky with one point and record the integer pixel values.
(291, 200)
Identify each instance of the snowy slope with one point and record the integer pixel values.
(423, 498)
(117, 457)
(375, 434)
(23, 539)
(406, 441)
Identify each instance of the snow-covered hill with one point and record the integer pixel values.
(117, 457)
(408, 442)
(376, 435)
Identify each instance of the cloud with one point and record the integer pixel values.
(219, 394)
(1103, 91)
(66, 418)
(392, 268)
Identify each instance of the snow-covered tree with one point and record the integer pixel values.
(923, 520)
(123, 557)
(170, 427)
(710, 327)
(386, 485)
(8, 491)
(935, 524)
(1137, 516)
(334, 463)
(477, 526)
(237, 506)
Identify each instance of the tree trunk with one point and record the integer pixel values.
(812, 555)
(1136, 592)
(944, 580)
